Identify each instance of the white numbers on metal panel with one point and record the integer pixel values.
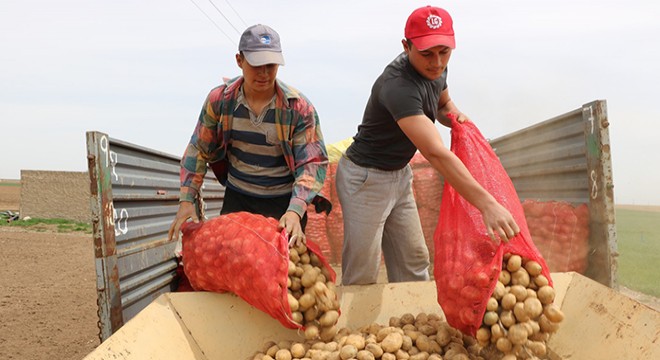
(119, 216)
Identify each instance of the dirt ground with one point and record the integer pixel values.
(47, 295)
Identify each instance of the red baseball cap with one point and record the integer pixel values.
(430, 26)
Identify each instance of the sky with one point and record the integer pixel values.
(139, 71)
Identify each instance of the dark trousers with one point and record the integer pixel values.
(235, 201)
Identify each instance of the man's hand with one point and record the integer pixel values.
(186, 211)
(461, 118)
(291, 222)
(499, 221)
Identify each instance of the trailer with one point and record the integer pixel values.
(134, 197)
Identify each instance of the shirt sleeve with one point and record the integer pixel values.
(310, 159)
(401, 98)
(203, 148)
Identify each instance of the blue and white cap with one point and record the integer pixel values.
(261, 45)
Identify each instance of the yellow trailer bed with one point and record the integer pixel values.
(600, 323)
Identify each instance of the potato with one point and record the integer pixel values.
(330, 318)
(306, 301)
(533, 307)
(294, 256)
(496, 332)
(308, 279)
(514, 263)
(298, 350)
(395, 321)
(507, 318)
(272, 351)
(311, 314)
(408, 344)
(536, 347)
(348, 352)
(546, 294)
(505, 277)
(311, 332)
(553, 313)
(533, 268)
(408, 318)
(423, 343)
(483, 335)
(520, 277)
(491, 318)
(382, 333)
(283, 354)
(519, 291)
(365, 355)
(374, 349)
(356, 340)
(392, 342)
(328, 333)
(443, 337)
(304, 257)
(298, 317)
(293, 303)
(508, 301)
(492, 304)
(517, 334)
(520, 313)
(419, 356)
(388, 356)
(541, 280)
(547, 326)
(503, 344)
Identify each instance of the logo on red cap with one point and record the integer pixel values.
(434, 21)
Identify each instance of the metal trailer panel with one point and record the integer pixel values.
(567, 158)
(134, 198)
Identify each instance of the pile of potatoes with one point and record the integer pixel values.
(421, 337)
(312, 294)
(521, 314)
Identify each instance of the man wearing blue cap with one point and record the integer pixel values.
(262, 139)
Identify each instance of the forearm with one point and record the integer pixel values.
(458, 176)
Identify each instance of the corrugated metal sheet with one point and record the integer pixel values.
(134, 198)
(567, 158)
(547, 161)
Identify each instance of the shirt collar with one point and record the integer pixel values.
(240, 100)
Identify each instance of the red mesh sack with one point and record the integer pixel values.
(243, 253)
(561, 232)
(467, 262)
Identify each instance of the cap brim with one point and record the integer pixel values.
(429, 41)
(259, 58)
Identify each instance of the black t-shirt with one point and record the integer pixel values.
(397, 93)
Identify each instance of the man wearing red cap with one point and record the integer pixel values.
(374, 179)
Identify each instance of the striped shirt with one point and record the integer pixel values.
(298, 134)
(256, 161)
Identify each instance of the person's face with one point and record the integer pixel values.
(429, 63)
(257, 78)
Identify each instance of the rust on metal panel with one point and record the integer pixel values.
(603, 258)
(108, 291)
